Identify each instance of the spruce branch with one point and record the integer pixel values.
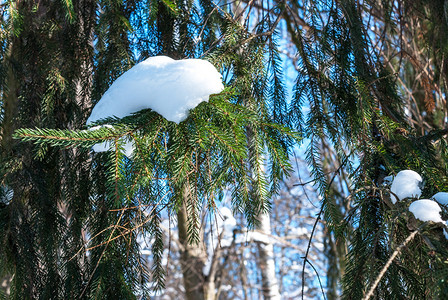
(389, 262)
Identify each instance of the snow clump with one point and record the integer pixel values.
(169, 87)
(426, 210)
(441, 198)
(406, 184)
(388, 179)
(227, 224)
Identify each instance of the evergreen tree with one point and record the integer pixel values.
(367, 70)
(179, 168)
(47, 56)
(356, 109)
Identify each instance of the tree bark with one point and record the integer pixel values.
(10, 101)
(193, 256)
(266, 261)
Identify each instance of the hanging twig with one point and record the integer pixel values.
(305, 258)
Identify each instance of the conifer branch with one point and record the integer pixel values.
(388, 263)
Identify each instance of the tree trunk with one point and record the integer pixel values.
(10, 101)
(210, 290)
(266, 261)
(193, 256)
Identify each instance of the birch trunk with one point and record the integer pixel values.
(266, 261)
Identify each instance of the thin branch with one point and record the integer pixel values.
(318, 278)
(314, 229)
(102, 254)
(389, 262)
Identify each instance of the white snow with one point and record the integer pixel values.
(169, 87)
(426, 210)
(298, 231)
(128, 146)
(406, 185)
(253, 236)
(228, 222)
(441, 198)
(388, 179)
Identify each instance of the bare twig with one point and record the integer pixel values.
(318, 278)
(389, 262)
(314, 228)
